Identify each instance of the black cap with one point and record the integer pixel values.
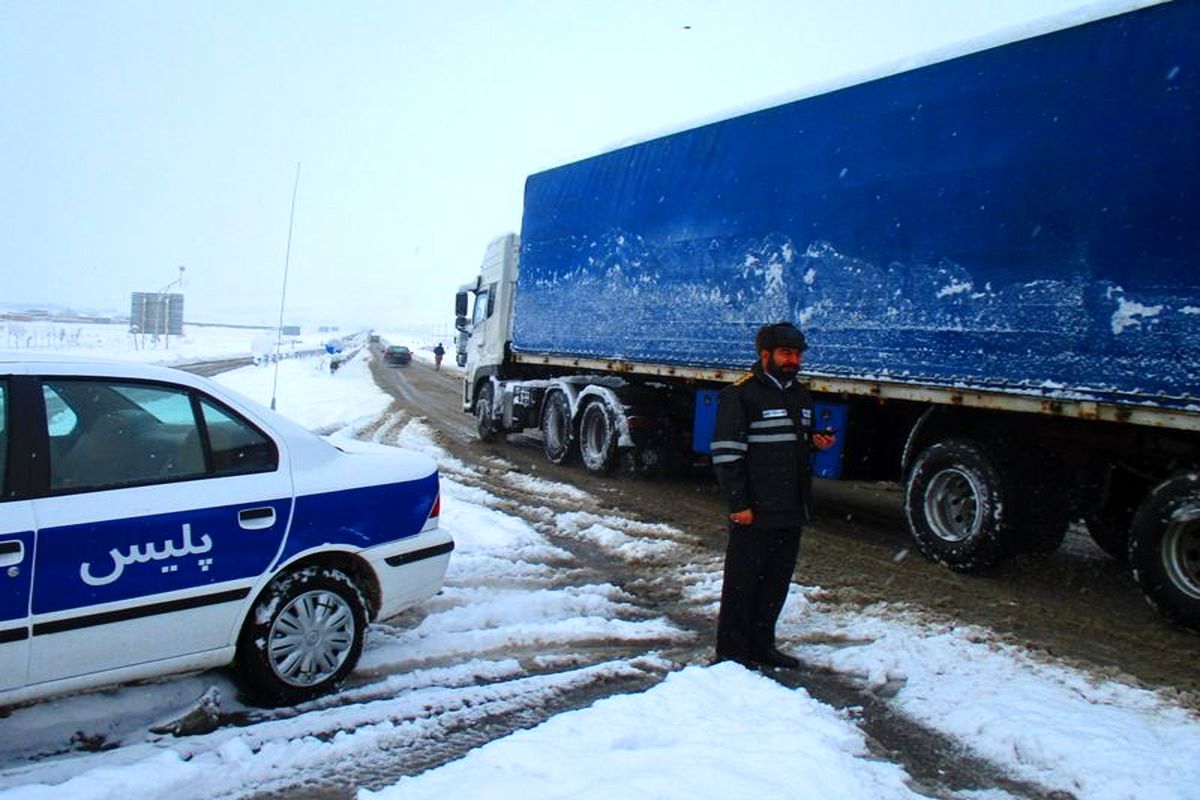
(779, 334)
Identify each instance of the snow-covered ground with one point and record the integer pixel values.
(702, 731)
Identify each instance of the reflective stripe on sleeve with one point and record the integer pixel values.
(725, 459)
(727, 445)
(763, 438)
(772, 423)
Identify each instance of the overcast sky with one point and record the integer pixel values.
(139, 137)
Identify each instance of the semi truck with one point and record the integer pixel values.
(995, 258)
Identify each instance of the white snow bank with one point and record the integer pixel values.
(685, 738)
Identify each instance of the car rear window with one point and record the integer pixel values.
(237, 446)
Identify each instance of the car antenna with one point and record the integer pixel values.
(287, 255)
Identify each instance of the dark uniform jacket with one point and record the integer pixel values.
(760, 449)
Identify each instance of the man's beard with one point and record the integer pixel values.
(782, 373)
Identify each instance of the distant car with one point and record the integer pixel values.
(397, 354)
(153, 521)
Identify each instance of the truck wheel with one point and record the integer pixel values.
(1164, 548)
(558, 442)
(302, 637)
(598, 437)
(485, 425)
(954, 500)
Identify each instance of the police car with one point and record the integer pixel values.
(153, 521)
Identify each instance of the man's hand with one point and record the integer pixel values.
(824, 441)
(745, 517)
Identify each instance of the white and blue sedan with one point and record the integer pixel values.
(153, 521)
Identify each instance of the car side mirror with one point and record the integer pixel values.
(460, 324)
(460, 308)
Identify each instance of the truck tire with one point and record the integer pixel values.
(1164, 548)
(954, 499)
(485, 424)
(598, 437)
(558, 439)
(302, 637)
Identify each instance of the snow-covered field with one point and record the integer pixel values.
(198, 343)
(702, 732)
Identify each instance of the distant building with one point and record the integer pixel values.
(290, 330)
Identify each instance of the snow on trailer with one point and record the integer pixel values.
(993, 257)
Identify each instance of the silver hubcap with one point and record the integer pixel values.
(952, 505)
(1181, 549)
(311, 638)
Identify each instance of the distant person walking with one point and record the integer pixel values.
(761, 450)
(438, 352)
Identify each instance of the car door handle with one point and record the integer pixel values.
(256, 519)
(11, 552)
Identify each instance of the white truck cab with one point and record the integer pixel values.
(488, 329)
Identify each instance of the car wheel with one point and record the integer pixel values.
(302, 637)
(598, 437)
(558, 440)
(485, 425)
(954, 500)
(1164, 548)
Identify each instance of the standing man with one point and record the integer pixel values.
(438, 352)
(760, 453)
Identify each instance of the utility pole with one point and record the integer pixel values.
(287, 255)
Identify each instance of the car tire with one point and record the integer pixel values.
(1164, 548)
(954, 500)
(598, 437)
(302, 637)
(558, 438)
(485, 425)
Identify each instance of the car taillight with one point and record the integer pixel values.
(437, 507)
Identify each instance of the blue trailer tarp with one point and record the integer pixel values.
(1023, 218)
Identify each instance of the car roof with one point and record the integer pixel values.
(21, 363)
(16, 362)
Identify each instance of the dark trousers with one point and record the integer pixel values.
(758, 570)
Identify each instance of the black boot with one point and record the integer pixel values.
(774, 657)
